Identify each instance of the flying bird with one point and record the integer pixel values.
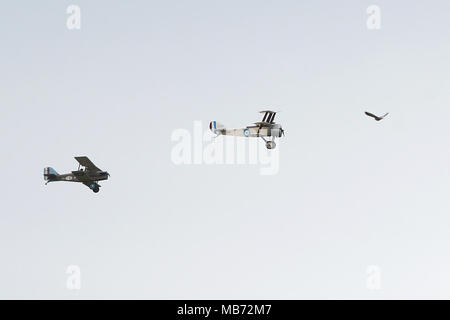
(377, 118)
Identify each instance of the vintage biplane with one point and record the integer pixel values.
(264, 129)
(87, 173)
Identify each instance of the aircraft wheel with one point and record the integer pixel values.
(96, 189)
(270, 145)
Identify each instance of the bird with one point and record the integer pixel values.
(377, 118)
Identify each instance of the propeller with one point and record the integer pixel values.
(282, 131)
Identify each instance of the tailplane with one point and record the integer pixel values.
(50, 174)
(216, 127)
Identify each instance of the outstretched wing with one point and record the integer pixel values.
(85, 162)
(268, 117)
(370, 114)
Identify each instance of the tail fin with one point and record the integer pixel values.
(216, 127)
(49, 173)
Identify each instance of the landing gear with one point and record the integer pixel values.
(270, 144)
(94, 187)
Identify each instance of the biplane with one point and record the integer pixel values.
(87, 173)
(264, 129)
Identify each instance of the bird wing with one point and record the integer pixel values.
(370, 114)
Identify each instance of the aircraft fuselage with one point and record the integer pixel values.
(81, 176)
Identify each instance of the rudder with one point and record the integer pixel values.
(216, 127)
(49, 173)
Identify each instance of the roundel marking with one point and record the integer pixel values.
(246, 132)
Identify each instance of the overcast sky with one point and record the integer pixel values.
(349, 193)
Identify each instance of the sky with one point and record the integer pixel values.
(348, 193)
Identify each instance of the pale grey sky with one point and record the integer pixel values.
(350, 192)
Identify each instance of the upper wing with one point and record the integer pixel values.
(370, 114)
(262, 124)
(268, 116)
(85, 162)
